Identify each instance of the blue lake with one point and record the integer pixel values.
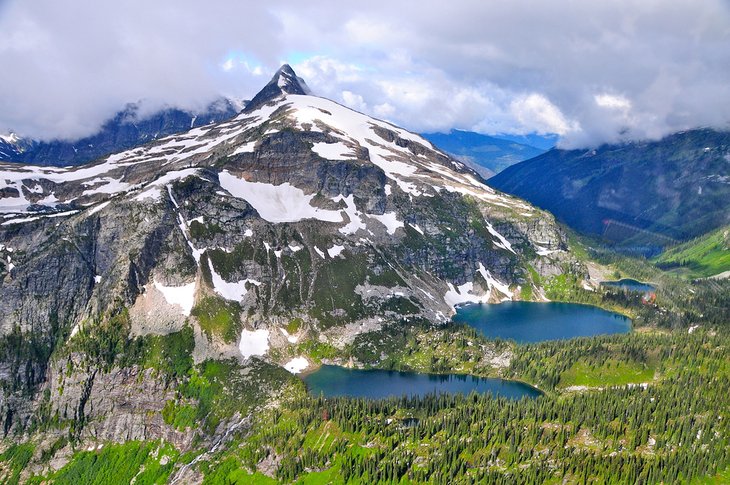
(631, 285)
(526, 322)
(332, 381)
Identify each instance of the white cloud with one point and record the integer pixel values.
(612, 101)
(594, 71)
(354, 101)
(536, 113)
(228, 65)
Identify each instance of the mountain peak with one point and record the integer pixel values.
(285, 81)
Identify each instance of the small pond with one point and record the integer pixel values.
(631, 285)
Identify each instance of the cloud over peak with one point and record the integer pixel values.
(592, 72)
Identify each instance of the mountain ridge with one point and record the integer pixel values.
(649, 194)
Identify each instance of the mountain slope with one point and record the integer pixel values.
(707, 255)
(295, 225)
(125, 130)
(648, 193)
(482, 152)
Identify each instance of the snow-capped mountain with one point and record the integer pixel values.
(296, 210)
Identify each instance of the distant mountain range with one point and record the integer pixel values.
(125, 130)
(488, 154)
(642, 194)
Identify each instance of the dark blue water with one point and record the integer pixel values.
(526, 322)
(631, 285)
(332, 381)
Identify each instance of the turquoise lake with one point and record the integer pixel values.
(332, 381)
(527, 322)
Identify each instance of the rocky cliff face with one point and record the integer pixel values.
(298, 220)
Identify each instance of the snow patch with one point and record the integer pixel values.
(99, 207)
(335, 250)
(153, 189)
(418, 229)
(254, 342)
(463, 294)
(296, 365)
(35, 218)
(333, 151)
(291, 338)
(182, 296)
(245, 148)
(276, 203)
(503, 243)
(389, 220)
(356, 223)
(541, 251)
(319, 251)
(493, 282)
(230, 291)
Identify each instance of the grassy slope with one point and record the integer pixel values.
(705, 256)
(610, 373)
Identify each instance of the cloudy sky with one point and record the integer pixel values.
(591, 71)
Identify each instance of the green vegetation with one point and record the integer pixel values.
(672, 431)
(170, 355)
(180, 416)
(567, 287)
(317, 350)
(415, 346)
(229, 472)
(13, 461)
(117, 464)
(218, 317)
(226, 263)
(704, 256)
(103, 340)
(220, 390)
(333, 292)
(604, 361)
(204, 231)
(294, 325)
(610, 373)
(721, 478)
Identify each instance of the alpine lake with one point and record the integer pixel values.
(523, 322)
(630, 285)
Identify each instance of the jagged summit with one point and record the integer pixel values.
(285, 81)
